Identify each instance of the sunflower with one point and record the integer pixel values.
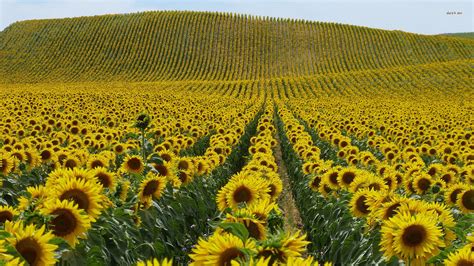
(255, 227)
(246, 191)
(47, 155)
(133, 164)
(261, 209)
(105, 178)
(414, 238)
(86, 194)
(367, 180)
(7, 213)
(71, 162)
(422, 183)
(151, 187)
(389, 209)
(331, 178)
(346, 176)
(156, 262)
(315, 182)
(185, 177)
(68, 223)
(36, 194)
(462, 257)
(465, 200)
(7, 163)
(119, 148)
(452, 193)
(359, 205)
(122, 191)
(220, 249)
(185, 164)
(32, 243)
(300, 261)
(97, 161)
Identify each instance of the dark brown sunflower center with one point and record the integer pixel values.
(104, 179)
(183, 176)
(70, 163)
(166, 157)
(468, 199)
(30, 250)
(161, 169)
(464, 262)
(78, 196)
(3, 164)
(454, 195)
(424, 184)
(446, 178)
(392, 210)
(183, 165)
(333, 178)
(97, 163)
(228, 255)
(242, 194)
(5, 216)
(150, 188)
(361, 205)
(64, 223)
(374, 186)
(254, 230)
(316, 182)
(414, 235)
(348, 177)
(46, 155)
(134, 163)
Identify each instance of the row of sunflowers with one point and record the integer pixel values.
(74, 180)
(416, 206)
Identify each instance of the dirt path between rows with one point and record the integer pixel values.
(287, 202)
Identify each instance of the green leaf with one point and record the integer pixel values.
(236, 229)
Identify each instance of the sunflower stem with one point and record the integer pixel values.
(143, 145)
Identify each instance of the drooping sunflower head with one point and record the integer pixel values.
(68, 221)
(255, 227)
(133, 164)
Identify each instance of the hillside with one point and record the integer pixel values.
(190, 46)
(469, 35)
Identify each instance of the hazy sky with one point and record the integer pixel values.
(420, 16)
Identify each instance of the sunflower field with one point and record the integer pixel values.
(197, 138)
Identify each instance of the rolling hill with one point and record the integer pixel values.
(203, 46)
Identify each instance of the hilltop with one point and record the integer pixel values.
(204, 46)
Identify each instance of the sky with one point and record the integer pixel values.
(418, 16)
